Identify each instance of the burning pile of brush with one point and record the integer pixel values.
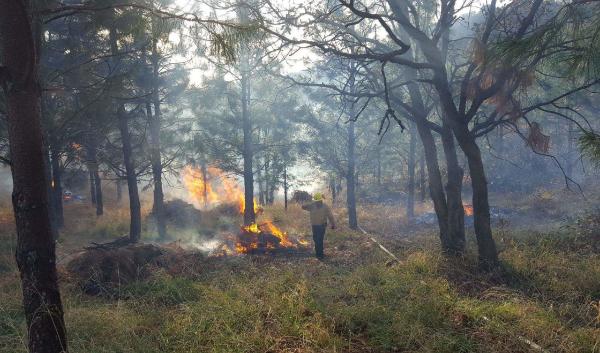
(210, 187)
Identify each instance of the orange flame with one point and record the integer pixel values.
(468, 210)
(249, 240)
(213, 187)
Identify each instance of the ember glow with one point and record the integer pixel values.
(468, 210)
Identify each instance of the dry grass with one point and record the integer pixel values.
(356, 301)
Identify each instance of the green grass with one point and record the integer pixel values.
(357, 301)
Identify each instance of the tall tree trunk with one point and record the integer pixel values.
(456, 213)
(249, 215)
(248, 153)
(95, 181)
(422, 181)
(92, 185)
(488, 255)
(285, 188)
(158, 208)
(351, 178)
(378, 175)
(410, 202)
(57, 190)
(333, 188)
(35, 253)
(205, 182)
(569, 157)
(436, 186)
(272, 192)
(98, 191)
(261, 191)
(119, 185)
(135, 227)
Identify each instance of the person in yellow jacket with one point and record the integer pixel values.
(320, 213)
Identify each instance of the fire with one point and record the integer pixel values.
(264, 235)
(199, 188)
(213, 186)
(468, 210)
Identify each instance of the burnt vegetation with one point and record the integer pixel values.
(164, 163)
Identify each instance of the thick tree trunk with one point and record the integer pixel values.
(98, 190)
(488, 255)
(35, 252)
(351, 178)
(249, 215)
(456, 213)
(135, 227)
(57, 191)
(410, 202)
(158, 208)
(436, 186)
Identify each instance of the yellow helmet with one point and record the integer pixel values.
(318, 197)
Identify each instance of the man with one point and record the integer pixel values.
(320, 213)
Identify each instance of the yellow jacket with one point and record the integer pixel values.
(319, 213)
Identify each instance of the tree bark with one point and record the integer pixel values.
(249, 215)
(259, 181)
(95, 181)
(35, 253)
(98, 191)
(92, 186)
(488, 255)
(135, 226)
(158, 208)
(333, 188)
(410, 202)
(422, 181)
(351, 178)
(456, 213)
(119, 189)
(436, 186)
(378, 175)
(285, 188)
(57, 190)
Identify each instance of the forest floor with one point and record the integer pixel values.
(546, 298)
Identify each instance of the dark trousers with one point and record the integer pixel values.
(318, 236)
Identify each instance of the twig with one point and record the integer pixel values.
(529, 342)
(372, 237)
